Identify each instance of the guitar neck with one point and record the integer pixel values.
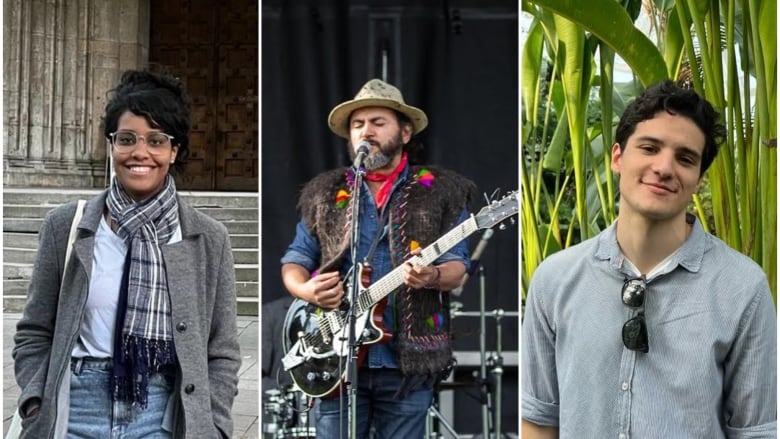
(389, 282)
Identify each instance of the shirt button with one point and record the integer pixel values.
(189, 389)
(624, 386)
(181, 326)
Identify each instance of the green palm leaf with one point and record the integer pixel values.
(611, 24)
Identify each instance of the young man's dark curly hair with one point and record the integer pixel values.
(670, 97)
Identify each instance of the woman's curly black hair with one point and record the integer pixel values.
(159, 98)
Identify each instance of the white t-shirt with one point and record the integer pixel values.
(96, 338)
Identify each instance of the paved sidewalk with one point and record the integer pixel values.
(246, 408)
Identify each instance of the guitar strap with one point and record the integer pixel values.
(378, 237)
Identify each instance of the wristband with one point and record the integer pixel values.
(436, 283)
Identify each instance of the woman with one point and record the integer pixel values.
(140, 338)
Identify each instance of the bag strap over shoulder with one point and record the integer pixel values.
(15, 429)
(74, 225)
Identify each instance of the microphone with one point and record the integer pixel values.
(478, 253)
(478, 250)
(362, 153)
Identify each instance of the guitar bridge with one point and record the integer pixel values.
(293, 357)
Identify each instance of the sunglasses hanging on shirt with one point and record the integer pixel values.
(635, 329)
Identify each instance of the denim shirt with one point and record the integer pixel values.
(305, 251)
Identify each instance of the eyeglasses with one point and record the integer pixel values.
(125, 141)
(635, 329)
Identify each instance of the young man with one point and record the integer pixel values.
(402, 208)
(654, 328)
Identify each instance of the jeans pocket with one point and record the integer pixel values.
(162, 380)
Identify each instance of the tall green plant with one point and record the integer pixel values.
(568, 189)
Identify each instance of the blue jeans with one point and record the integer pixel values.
(93, 414)
(377, 408)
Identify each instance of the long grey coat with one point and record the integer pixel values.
(201, 281)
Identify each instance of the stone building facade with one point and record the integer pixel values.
(62, 56)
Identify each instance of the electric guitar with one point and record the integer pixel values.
(315, 340)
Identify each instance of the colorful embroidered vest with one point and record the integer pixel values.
(422, 209)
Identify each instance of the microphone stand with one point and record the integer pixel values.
(498, 371)
(475, 266)
(351, 380)
(482, 370)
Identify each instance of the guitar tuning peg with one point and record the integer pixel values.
(502, 226)
(512, 221)
(492, 198)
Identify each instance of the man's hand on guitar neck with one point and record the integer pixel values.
(443, 277)
(324, 290)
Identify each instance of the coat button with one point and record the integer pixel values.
(189, 389)
(181, 326)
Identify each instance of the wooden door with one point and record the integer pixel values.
(212, 47)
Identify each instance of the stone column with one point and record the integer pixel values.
(61, 58)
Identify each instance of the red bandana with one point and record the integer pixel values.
(388, 181)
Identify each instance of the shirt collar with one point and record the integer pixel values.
(689, 256)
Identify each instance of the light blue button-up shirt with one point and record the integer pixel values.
(711, 323)
(305, 251)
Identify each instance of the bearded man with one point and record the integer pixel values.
(403, 208)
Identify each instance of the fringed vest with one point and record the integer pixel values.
(422, 208)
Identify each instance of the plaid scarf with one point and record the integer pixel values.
(143, 340)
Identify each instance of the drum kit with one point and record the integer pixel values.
(437, 426)
(287, 414)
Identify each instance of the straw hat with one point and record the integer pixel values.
(375, 93)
